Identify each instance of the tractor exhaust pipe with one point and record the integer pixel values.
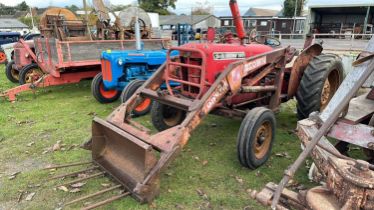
(238, 21)
(137, 31)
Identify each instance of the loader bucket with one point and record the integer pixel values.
(124, 157)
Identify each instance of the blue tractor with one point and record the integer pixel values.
(128, 68)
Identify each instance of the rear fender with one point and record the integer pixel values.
(299, 67)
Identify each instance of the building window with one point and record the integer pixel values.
(263, 23)
(226, 22)
(252, 23)
(284, 25)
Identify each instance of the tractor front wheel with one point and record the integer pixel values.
(321, 79)
(145, 106)
(2, 57)
(100, 94)
(256, 137)
(30, 73)
(11, 73)
(165, 117)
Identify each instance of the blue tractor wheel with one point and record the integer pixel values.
(101, 95)
(145, 106)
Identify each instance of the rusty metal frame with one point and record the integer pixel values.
(354, 80)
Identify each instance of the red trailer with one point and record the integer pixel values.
(56, 62)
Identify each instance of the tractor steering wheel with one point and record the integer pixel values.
(267, 40)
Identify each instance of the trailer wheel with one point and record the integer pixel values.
(165, 117)
(11, 73)
(2, 57)
(30, 74)
(256, 137)
(321, 79)
(100, 94)
(144, 107)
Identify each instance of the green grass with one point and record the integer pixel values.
(64, 114)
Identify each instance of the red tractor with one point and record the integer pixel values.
(247, 81)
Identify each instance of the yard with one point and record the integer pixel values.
(46, 128)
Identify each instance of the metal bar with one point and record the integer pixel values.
(73, 173)
(255, 89)
(84, 178)
(101, 203)
(67, 165)
(330, 114)
(184, 82)
(185, 65)
(93, 195)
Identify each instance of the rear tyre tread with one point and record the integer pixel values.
(309, 92)
(8, 72)
(23, 72)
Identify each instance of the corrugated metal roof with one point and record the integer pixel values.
(175, 19)
(11, 23)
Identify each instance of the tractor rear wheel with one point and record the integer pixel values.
(165, 117)
(30, 73)
(321, 79)
(11, 73)
(145, 106)
(256, 137)
(100, 94)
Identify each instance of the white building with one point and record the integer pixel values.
(13, 25)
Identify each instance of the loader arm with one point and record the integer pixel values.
(134, 157)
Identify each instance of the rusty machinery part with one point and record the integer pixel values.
(101, 10)
(256, 137)
(30, 74)
(349, 182)
(328, 117)
(127, 22)
(99, 92)
(320, 81)
(91, 172)
(145, 106)
(62, 24)
(11, 73)
(67, 14)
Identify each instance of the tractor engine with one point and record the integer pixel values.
(21, 56)
(199, 65)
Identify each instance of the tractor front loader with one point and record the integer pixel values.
(132, 155)
(246, 81)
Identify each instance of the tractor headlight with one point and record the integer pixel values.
(120, 62)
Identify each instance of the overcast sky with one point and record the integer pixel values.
(184, 6)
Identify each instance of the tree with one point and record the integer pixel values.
(28, 21)
(22, 6)
(158, 6)
(202, 9)
(6, 10)
(72, 8)
(289, 7)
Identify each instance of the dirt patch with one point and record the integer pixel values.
(13, 166)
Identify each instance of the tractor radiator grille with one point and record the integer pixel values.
(106, 70)
(16, 56)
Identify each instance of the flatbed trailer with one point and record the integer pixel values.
(58, 62)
